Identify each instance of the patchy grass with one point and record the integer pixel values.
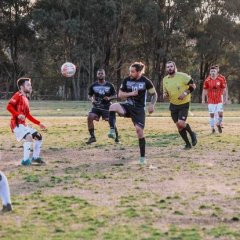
(99, 192)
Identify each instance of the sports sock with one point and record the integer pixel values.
(211, 121)
(112, 119)
(4, 189)
(26, 150)
(142, 144)
(91, 132)
(183, 134)
(37, 148)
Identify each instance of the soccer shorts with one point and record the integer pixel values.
(136, 114)
(21, 131)
(179, 112)
(215, 108)
(101, 111)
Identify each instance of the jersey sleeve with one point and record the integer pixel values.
(205, 84)
(112, 90)
(187, 78)
(149, 84)
(123, 86)
(32, 119)
(11, 105)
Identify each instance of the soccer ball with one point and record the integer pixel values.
(68, 69)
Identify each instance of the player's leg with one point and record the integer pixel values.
(114, 108)
(105, 116)
(182, 118)
(5, 193)
(37, 147)
(220, 117)
(141, 142)
(211, 110)
(180, 124)
(22, 133)
(93, 115)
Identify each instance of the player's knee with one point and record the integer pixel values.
(28, 138)
(90, 117)
(114, 107)
(181, 125)
(139, 132)
(37, 136)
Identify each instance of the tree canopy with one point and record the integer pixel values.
(36, 38)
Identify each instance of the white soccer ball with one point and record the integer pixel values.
(68, 69)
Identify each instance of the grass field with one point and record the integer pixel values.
(99, 192)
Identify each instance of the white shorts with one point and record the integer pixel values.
(21, 131)
(215, 108)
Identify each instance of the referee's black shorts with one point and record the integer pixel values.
(179, 112)
(136, 114)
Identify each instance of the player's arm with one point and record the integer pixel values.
(165, 92)
(123, 94)
(112, 96)
(191, 88)
(204, 95)
(35, 121)
(153, 93)
(11, 108)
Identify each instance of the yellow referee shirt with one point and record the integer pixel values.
(175, 86)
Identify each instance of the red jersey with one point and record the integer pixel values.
(19, 104)
(219, 76)
(215, 89)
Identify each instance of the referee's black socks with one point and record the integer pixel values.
(183, 134)
(142, 144)
(112, 119)
(189, 130)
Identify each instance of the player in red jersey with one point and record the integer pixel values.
(18, 106)
(213, 89)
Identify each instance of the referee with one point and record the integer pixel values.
(177, 87)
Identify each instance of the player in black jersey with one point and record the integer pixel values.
(100, 93)
(134, 89)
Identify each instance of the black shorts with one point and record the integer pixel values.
(179, 112)
(102, 111)
(136, 114)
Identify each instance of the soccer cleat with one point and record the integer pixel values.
(142, 160)
(187, 147)
(26, 162)
(38, 160)
(7, 208)
(219, 128)
(213, 131)
(91, 140)
(194, 139)
(111, 133)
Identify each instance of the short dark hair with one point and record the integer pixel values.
(21, 81)
(139, 66)
(213, 67)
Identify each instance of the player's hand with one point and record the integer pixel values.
(21, 117)
(106, 98)
(133, 94)
(150, 108)
(43, 127)
(165, 96)
(182, 96)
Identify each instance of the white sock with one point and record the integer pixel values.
(37, 149)
(26, 150)
(4, 190)
(211, 121)
(220, 120)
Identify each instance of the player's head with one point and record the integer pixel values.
(171, 67)
(136, 69)
(101, 74)
(217, 68)
(213, 71)
(24, 85)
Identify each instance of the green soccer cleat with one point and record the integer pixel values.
(142, 160)
(112, 133)
(38, 160)
(26, 162)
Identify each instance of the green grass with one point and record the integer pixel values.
(98, 192)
